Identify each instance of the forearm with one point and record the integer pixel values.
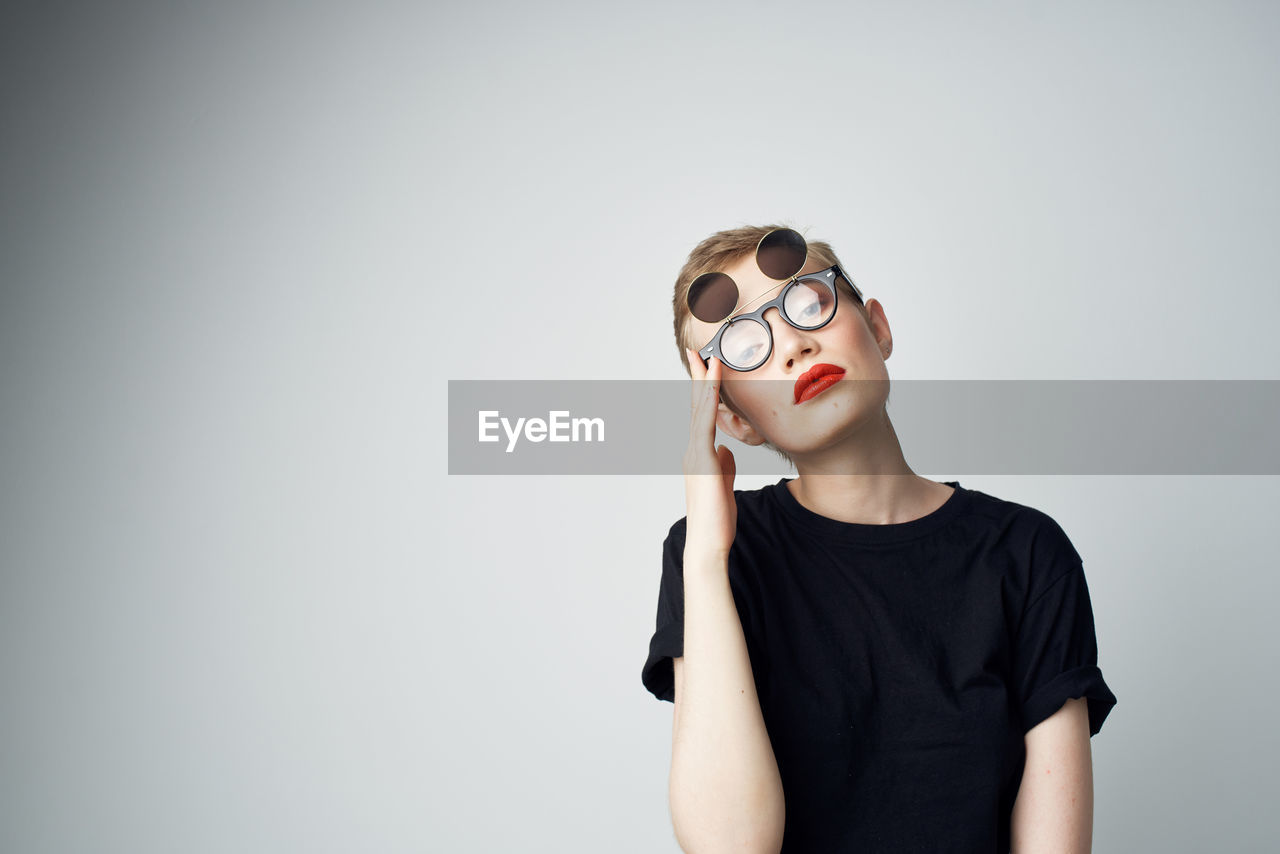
(726, 792)
(1053, 811)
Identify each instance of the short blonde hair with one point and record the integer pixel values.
(721, 250)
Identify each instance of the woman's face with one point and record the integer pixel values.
(767, 396)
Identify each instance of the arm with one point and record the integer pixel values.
(725, 790)
(1054, 808)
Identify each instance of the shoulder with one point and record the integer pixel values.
(1022, 526)
(756, 506)
(1031, 547)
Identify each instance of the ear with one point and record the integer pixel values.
(879, 325)
(737, 426)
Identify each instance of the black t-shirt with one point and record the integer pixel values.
(899, 666)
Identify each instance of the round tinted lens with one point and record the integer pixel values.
(712, 297)
(809, 303)
(781, 253)
(744, 344)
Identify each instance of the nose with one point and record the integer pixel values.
(789, 343)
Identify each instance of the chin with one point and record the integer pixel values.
(845, 424)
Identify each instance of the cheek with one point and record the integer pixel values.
(741, 395)
(756, 400)
(868, 350)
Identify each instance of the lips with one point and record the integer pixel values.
(816, 380)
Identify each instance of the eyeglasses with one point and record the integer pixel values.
(807, 302)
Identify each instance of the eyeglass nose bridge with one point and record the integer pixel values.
(772, 339)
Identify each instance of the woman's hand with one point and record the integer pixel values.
(709, 470)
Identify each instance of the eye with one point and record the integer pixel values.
(744, 342)
(805, 305)
(809, 304)
(747, 355)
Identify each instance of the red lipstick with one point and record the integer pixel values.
(816, 380)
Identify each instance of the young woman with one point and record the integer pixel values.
(861, 659)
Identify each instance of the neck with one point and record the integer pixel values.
(865, 479)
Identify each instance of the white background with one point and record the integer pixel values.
(244, 248)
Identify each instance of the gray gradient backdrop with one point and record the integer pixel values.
(244, 247)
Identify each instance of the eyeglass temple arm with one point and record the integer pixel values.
(857, 292)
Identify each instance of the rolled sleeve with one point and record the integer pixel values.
(668, 636)
(1056, 654)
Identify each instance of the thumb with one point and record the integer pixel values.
(728, 467)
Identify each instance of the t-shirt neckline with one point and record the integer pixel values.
(859, 532)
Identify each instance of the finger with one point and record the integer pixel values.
(702, 377)
(697, 373)
(715, 373)
(727, 465)
(703, 417)
(702, 432)
(696, 369)
(715, 368)
(707, 389)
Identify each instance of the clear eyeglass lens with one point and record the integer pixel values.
(809, 303)
(744, 343)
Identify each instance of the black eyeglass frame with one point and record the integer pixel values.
(827, 277)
